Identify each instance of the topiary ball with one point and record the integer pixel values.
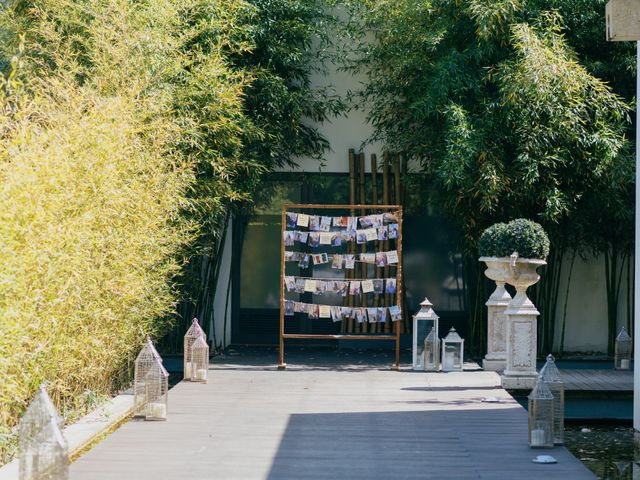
(528, 238)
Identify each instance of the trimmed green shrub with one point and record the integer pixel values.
(523, 236)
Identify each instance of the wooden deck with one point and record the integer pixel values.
(599, 380)
(352, 418)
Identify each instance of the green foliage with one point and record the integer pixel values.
(524, 237)
(490, 242)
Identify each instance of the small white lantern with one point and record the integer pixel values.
(42, 449)
(199, 360)
(540, 416)
(550, 375)
(623, 350)
(423, 322)
(146, 359)
(452, 352)
(195, 331)
(431, 351)
(156, 392)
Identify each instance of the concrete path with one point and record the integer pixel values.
(329, 418)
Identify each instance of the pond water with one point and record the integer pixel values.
(607, 450)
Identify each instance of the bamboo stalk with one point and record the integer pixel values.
(398, 197)
(385, 200)
(363, 248)
(352, 199)
(374, 201)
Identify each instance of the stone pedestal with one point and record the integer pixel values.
(497, 270)
(522, 324)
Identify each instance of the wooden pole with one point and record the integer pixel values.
(386, 199)
(398, 197)
(282, 365)
(399, 285)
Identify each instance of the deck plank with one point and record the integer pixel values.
(254, 422)
(597, 380)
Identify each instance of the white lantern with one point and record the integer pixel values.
(195, 331)
(452, 352)
(423, 322)
(623, 350)
(550, 375)
(431, 352)
(540, 416)
(156, 392)
(199, 360)
(145, 361)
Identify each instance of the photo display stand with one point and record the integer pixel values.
(364, 239)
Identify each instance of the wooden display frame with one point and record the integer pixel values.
(352, 208)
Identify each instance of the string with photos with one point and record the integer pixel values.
(338, 313)
(340, 261)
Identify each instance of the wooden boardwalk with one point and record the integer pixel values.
(348, 419)
(600, 380)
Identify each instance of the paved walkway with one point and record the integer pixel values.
(331, 418)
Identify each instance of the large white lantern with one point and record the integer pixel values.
(423, 322)
(431, 352)
(540, 416)
(623, 350)
(550, 375)
(452, 352)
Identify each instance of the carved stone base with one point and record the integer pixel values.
(519, 381)
(494, 365)
(496, 357)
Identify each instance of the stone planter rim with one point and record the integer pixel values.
(533, 261)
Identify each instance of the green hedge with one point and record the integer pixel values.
(523, 236)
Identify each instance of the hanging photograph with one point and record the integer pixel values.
(349, 262)
(383, 233)
(292, 220)
(304, 261)
(381, 259)
(291, 256)
(337, 261)
(378, 286)
(366, 222)
(325, 224)
(346, 312)
(290, 284)
(394, 313)
(368, 258)
(313, 311)
(300, 285)
(354, 288)
(303, 220)
(325, 311)
(289, 238)
(393, 231)
(349, 236)
(361, 236)
(320, 258)
(372, 313)
(336, 316)
(371, 234)
(352, 224)
(336, 239)
(303, 237)
(299, 307)
(342, 288)
(390, 286)
(382, 314)
(367, 286)
(325, 238)
(309, 285)
(392, 257)
(360, 315)
(288, 308)
(390, 217)
(376, 221)
(314, 239)
(314, 223)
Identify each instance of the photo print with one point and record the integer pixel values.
(303, 220)
(368, 258)
(352, 224)
(372, 313)
(314, 239)
(336, 315)
(314, 223)
(325, 224)
(366, 222)
(393, 231)
(367, 286)
(382, 314)
(291, 256)
(341, 222)
(346, 312)
(292, 220)
(299, 307)
(381, 259)
(321, 287)
(390, 286)
(309, 285)
(337, 261)
(320, 258)
(336, 239)
(392, 257)
(288, 308)
(324, 311)
(289, 238)
(383, 233)
(390, 217)
(376, 221)
(290, 284)
(378, 286)
(331, 287)
(300, 285)
(304, 261)
(349, 262)
(325, 238)
(371, 234)
(313, 311)
(342, 288)
(349, 236)
(361, 236)
(303, 237)
(354, 288)
(360, 315)
(394, 313)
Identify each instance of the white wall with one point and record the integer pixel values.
(223, 336)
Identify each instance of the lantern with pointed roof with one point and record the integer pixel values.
(540, 416)
(146, 359)
(452, 352)
(195, 331)
(423, 321)
(199, 360)
(42, 450)
(431, 352)
(550, 375)
(623, 350)
(156, 392)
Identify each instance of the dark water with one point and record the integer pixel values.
(607, 450)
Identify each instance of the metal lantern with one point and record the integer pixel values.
(623, 350)
(452, 352)
(541, 416)
(423, 322)
(194, 332)
(145, 360)
(551, 377)
(156, 392)
(431, 351)
(199, 360)
(42, 450)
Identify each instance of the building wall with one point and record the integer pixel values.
(223, 335)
